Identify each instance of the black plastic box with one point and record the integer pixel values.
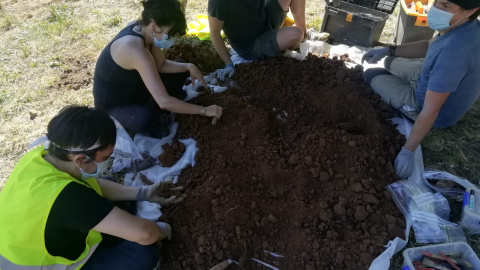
(359, 23)
(411, 27)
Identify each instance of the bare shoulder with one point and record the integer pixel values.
(132, 22)
(127, 50)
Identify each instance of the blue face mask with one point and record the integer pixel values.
(438, 19)
(165, 43)
(101, 167)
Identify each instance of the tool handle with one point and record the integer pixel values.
(221, 266)
(214, 121)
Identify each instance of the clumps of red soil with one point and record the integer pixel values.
(297, 165)
(171, 153)
(202, 54)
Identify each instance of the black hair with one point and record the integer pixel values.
(165, 13)
(80, 127)
(474, 16)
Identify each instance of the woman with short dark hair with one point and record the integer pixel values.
(127, 83)
(55, 213)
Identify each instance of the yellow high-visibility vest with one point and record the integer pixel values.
(25, 203)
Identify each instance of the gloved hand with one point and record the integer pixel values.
(166, 230)
(222, 73)
(161, 193)
(404, 163)
(373, 56)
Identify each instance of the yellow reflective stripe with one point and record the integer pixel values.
(6, 264)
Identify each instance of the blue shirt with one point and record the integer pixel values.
(452, 64)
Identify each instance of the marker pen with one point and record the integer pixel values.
(471, 202)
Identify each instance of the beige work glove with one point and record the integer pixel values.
(161, 193)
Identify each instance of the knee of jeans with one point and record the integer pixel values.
(388, 61)
(147, 257)
(371, 73)
(142, 122)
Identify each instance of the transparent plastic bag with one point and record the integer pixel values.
(439, 180)
(430, 228)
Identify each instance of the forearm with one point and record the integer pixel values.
(298, 12)
(422, 126)
(220, 47)
(152, 233)
(117, 192)
(177, 106)
(173, 67)
(417, 49)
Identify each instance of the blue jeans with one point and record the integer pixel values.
(120, 254)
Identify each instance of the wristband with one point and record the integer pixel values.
(203, 110)
(142, 194)
(391, 50)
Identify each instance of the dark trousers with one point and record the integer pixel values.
(148, 117)
(116, 253)
(119, 254)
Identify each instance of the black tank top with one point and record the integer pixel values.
(115, 86)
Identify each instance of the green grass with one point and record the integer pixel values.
(456, 149)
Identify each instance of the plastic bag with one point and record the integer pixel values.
(456, 190)
(430, 228)
(127, 155)
(428, 212)
(201, 28)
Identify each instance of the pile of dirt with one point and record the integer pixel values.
(171, 153)
(202, 54)
(297, 166)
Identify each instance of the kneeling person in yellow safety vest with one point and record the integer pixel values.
(433, 82)
(54, 211)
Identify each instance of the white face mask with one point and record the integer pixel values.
(438, 19)
(101, 167)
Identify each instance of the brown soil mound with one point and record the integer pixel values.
(297, 165)
(200, 53)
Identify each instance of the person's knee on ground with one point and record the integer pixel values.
(135, 118)
(388, 61)
(148, 256)
(289, 37)
(371, 73)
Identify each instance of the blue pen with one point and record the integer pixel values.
(466, 197)
(471, 202)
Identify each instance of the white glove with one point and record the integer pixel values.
(222, 73)
(374, 56)
(166, 230)
(404, 163)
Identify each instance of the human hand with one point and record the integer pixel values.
(166, 230)
(222, 73)
(213, 111)
(195, 74)
(375, 55)
(404, 163)
(161, 193)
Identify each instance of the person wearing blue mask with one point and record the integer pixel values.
(432, 82)
(253, 29)
(56, 214)
(134, 82)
